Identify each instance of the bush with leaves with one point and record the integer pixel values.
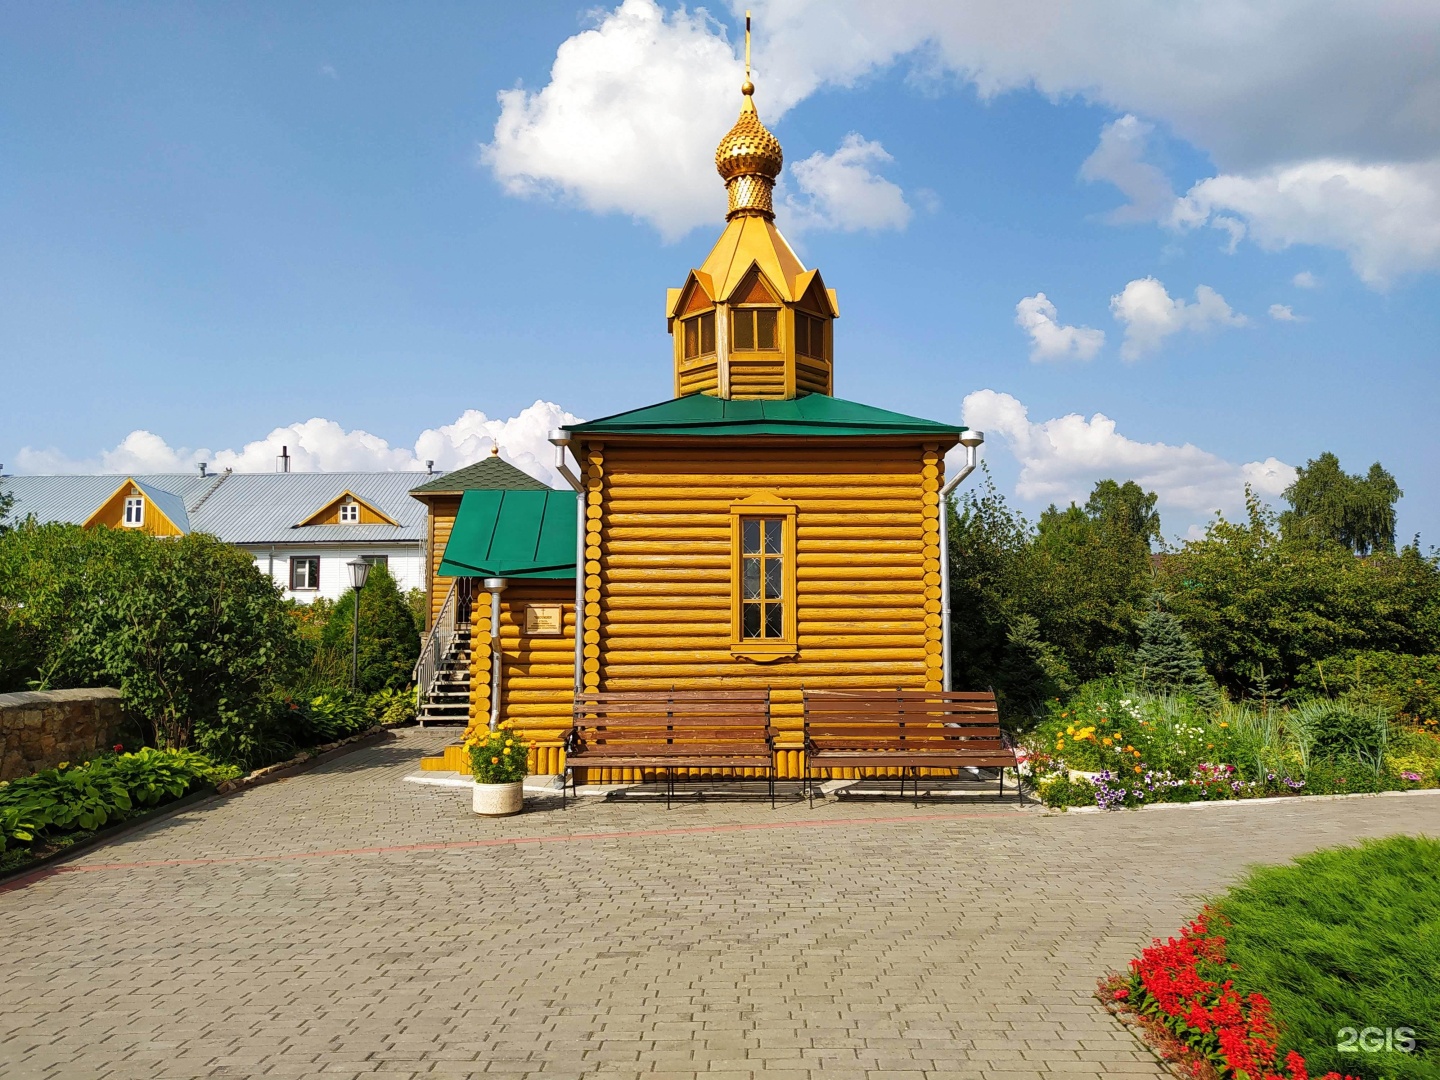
(389, 644)
(391, 707)
(188, 628)
(102, 791)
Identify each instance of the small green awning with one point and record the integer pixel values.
(512, 534)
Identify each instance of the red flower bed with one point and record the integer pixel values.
(1178, 995)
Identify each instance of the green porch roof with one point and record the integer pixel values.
(487, 473)
(809, 414)
(512, 534)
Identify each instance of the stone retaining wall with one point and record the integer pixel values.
(43, 728)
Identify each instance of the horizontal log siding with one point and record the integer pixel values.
(537, 671)
(443, 509)
(658, 570)
(697, 377)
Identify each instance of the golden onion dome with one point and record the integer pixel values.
(749, 159)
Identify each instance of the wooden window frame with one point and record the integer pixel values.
(352, 506)
(314, 585)
(763, 650)
(137, 501)
(750, 312)
(698, 319)
(815, 323)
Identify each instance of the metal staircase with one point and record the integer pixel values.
(442, 674)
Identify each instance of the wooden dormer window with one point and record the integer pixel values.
(755, 328)
(349, 512)
(134, 512)
(810, 336)
(699, 331)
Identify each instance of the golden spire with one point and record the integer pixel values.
(749, 157)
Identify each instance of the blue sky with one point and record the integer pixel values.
(230, 228)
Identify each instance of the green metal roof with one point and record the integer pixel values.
(512, 534)
(809, 414)
(488, 474)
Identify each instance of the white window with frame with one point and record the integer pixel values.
(377, 560)
(134, 511)
(304, 573)
(349, 513)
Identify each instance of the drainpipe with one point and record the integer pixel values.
(495, 586)
(972, 441)
(561, 440)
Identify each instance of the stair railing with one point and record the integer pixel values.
(437, 643)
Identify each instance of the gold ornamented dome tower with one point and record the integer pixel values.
(752, 322)
(748, 160)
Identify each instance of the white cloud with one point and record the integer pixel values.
(1385, 217)
(319, 445)
(328, 70)
(843, 191)
(1285, 313)
(629, 120)
(634, 107)
(1150, 314)
(1062, 458)
(1120, 160)
(1049, 339)
(1305, 280)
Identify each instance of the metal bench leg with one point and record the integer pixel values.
(1001, 770)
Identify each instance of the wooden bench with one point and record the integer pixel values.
(676, 729)
(907, 730)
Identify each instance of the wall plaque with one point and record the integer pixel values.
(544, 619)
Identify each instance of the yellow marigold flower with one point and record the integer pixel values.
(1128, 748)
(1224, 723)
(494, 761)
(1070, 730)
(1136, 753)
(63, 765)
(506, 751)
(1059, 744)
(1137, 768)
(1107, 740)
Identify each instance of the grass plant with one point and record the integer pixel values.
(1346, 938)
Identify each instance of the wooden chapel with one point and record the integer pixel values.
(753, 530)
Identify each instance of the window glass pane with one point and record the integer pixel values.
(707, 333)
(692, 338)
(750, 580)
(774, 620)
(765, 328)
(744, 329)
(774, 534)
(773, 568)
(750, 621)
(750, 536)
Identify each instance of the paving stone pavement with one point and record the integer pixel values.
(345, 923)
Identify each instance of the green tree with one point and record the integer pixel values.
(188, 628)
(1263, 605)
(1167, 661)
(1125, 509)
(389, 643)
(1329, 504)
(7, 503)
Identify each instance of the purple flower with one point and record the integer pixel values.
(1413, 777)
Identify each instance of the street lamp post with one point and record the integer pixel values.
(359, 571)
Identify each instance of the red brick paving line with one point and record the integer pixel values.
(451, 845)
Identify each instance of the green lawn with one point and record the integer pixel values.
(1346, 938)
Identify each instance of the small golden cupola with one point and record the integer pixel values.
(752, 322)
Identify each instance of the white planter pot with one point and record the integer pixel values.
(498, 800)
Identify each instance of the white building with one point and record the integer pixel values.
(301, 528)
